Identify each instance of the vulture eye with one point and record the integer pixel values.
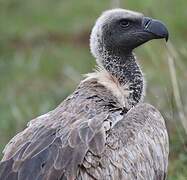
(124, 23)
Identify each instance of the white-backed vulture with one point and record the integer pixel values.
(103, 130)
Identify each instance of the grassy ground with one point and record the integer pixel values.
(44, 50)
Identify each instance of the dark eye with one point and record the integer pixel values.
(124, 23)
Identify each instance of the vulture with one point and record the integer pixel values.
(103, 130)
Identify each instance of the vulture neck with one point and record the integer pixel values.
(124, 67)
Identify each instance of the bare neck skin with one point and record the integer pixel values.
(124, 67)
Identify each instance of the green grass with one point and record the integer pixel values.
(44, 50)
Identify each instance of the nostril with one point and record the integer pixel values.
(146, 22)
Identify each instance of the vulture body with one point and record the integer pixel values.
(103, 131)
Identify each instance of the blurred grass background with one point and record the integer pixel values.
(44, 49)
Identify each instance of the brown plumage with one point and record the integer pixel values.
(103, 130)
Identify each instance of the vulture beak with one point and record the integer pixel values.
(156, 28)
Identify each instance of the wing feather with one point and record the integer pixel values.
(136, 148)
(52, 149)
(74, 145)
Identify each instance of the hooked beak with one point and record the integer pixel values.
(156, 28)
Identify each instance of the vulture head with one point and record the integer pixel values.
(119, 31)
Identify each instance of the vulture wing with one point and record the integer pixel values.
(54, 145)
(135, 147)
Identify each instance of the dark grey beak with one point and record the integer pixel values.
(156, 28)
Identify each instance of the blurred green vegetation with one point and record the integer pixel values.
(44, 49)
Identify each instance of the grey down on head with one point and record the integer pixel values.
(103, 130)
